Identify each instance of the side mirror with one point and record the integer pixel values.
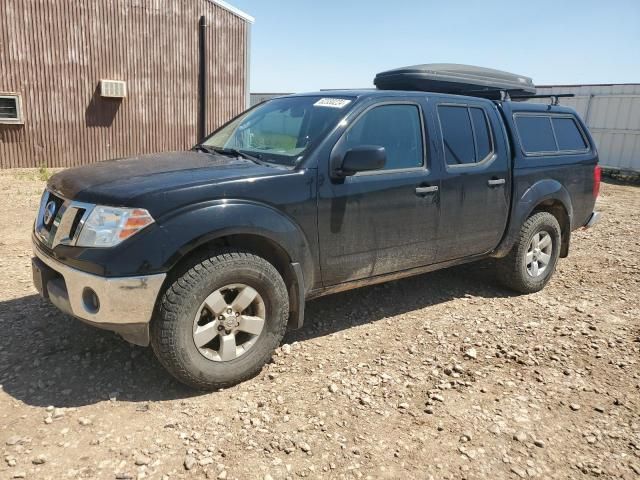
(361, 159)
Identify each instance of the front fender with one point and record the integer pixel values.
(525, 203)
(187, 229)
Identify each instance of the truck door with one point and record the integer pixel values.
(382, 221)
(476, 181)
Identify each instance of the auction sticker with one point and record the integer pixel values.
(332, 102)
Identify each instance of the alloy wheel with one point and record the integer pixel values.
(229, 322)
(539, 254)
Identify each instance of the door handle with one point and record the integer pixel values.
(426, 190)
(495, 182)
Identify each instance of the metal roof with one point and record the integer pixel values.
(234, 10)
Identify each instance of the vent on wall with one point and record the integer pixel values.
(11, 108)
(113, 88)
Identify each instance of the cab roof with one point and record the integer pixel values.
(513, 106)
(374, 93)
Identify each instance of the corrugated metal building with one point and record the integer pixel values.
(612, 113)
(56, 111)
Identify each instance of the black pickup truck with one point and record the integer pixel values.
(210, 254)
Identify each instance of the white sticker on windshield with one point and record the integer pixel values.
(332, 102)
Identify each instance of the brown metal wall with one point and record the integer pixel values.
(54, 52)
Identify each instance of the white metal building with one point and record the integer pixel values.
(612, 113)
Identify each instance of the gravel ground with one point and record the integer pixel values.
(440, 376)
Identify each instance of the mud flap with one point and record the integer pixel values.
(297, 298)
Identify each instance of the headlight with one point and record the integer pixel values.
(108, 226)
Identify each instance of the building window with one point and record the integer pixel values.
(10, 108)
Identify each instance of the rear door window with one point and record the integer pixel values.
(466, 134)
(457, 135)
(568, 135)
(481, 129)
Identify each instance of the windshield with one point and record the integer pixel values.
(281, 130)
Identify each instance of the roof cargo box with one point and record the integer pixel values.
(456, 79)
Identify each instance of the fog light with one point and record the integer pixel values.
(90, 300)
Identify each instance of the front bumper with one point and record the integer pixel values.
(124, 305)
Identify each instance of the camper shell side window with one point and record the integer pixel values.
(550, 134)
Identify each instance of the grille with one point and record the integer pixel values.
(76, 222)
(60, 220)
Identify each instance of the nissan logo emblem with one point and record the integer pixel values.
(49, 212)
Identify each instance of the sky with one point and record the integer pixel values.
(306, 45)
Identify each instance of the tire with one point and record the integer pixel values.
(513, 270)
(173, 329)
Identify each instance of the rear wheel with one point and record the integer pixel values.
(220, 321)
(532, 260)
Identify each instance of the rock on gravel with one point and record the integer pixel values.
(84, 421)
(305, 447)
(190, 462)
(142, 460)
(520, 437)
(13, 440)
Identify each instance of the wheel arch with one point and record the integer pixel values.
(556, 208)
(546, 195)
(264, 232)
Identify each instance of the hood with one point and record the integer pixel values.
(117, 182)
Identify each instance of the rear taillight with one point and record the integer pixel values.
(597, 175)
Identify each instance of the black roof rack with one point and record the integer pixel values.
(553, 96)
(506, 95)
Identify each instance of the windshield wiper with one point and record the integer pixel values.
(238, 153)
(230, 152)
(201, 148)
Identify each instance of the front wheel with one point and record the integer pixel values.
(532, 260)
(219, 322)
